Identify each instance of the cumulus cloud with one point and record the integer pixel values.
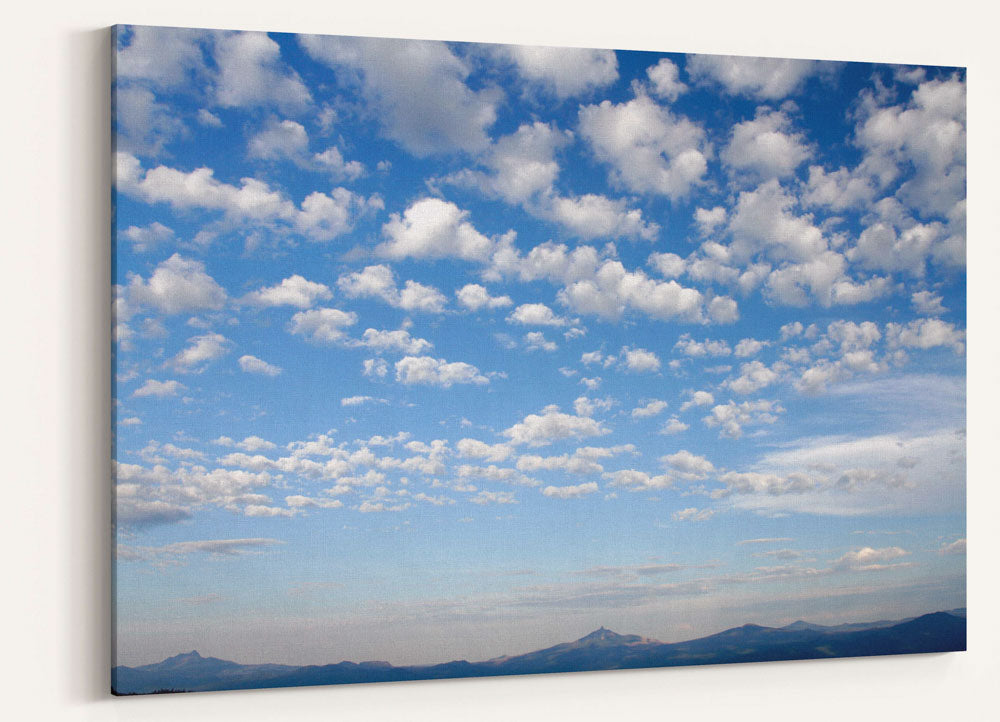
(730, 418)
(955, 547)
(925, 333)
(292, 291)
(761, 78)
(320, 217)
(766, 147)
(474, 297)
(475, 449)
(636, 480)
(144, 238)
(639, 359)
(433, 228)
(553, 425)
(279, 140)
(869, 559)
(664, 79)
(570, 492)
(399, 340)
(158, 389)
(927, 303)
(250, 73)
(201, 351)
(178, 285)
(653, 408)
(415, 89)
(563, 72)
(535, 314)
(674, 426)
(536, 341)
(693, 514)
(754, 376)
(253, 365)
(648, 148)
(430, 371)
(323, 325)
(688, 465)
(380, 282)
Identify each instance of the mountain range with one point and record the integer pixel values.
(599, 650)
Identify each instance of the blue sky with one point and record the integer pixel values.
(434, 350)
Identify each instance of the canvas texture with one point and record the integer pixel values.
(437, 359)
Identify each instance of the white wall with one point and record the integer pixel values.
(54, 265)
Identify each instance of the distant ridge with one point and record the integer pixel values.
(602, 649)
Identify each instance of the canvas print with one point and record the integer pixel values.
(439, 359)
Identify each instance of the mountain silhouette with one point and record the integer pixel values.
(602, 649)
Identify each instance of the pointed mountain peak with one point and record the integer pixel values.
(602, 633)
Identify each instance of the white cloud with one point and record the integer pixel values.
(665, 80)
(493, 497)
(563, 72)
(955, 547)
(165, 57)
(689, 347)
(749, 347)
(250, 73)
(766, 146)
(927, 303)
(571, 492)
(925, 333)
(867, 558)
(332, 161)
(761, 78)
(399, 340)
(433, 228)
(178, 285)
(639, 359)
(415, 89)
(639, 480)
(693, 514)
(254, 365)
(929, 135)
(649, 149)
(535, 314)
(536, 341)
(380, 282)
(653, 408)
(731, 417)
(355, 400)
(698, 398)
(144, 238)
(764, 220)
(324, 325)
(375, 367)
(475, 449)
(596, 216)
(292, 291)
(209, 119)
(279, 140)
(552, 425)
(754, 376)
(688, 465)
(839, 190)
(418, 297)
(320, 217)
(158, 389)
(474, 297)
(674, 426)
(437, 372)
(202, 350)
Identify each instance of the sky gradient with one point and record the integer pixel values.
(428, 351)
